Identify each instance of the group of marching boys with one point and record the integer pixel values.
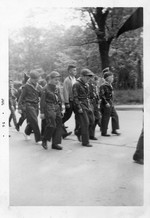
(92, 105)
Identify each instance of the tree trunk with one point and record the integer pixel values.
(104, 49)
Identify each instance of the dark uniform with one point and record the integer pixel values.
(81, 101)
(106, 96)
(23, 106)
(94, 100)
(12, 105)
(51, 108)
(23, 109)
(139, 153)
(30, 100)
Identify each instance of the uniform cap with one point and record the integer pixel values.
(34, 74)
(105, 70)
(86, 72)
(107, 74)
(54, 74)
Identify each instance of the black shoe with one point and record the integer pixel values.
(93, 138)
(139, 161)
(57, 147)
(105, 134)
(87, 145)
(17, 127)
(66, 134)
(44, 144)
(115, 132)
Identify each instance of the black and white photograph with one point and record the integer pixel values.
(73, 115)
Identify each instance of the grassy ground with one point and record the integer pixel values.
(128, 96)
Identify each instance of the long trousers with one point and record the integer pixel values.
(32, 120)
(86, 123)
(106, 114)
(139, 153)
(96, 118)
(12, 115)
(68, 113)
(53, 128)
(22, 118)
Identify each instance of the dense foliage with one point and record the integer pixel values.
(54, 47)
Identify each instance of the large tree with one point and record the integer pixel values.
(105, 22)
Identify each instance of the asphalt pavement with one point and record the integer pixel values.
(102, 175)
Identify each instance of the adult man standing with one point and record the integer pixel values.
(68, 95)
(107, 107)
(30, 97)
(83, 107)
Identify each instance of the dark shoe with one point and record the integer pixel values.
(44, 144)
(57, 147)
(115, 132)
(66, 134)
(139, 161)
(105, 134)
(87, 145)
(93, 138)
(17, 127)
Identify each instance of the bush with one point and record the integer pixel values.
(128, 96)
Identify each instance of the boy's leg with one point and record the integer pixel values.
(32, 114)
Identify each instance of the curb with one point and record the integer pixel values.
(129, 107)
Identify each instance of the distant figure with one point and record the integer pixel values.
(23, 105)
(107, 107)
(138, 156)
(13, 94)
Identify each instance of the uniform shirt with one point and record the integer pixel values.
(50, 96)
(93, 92)
(106, 93)
(30, 94)
(81, 94)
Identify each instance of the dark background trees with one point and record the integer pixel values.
(91, 44)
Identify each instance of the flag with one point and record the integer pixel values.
(135, 21)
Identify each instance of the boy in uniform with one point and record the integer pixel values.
(51, 111)
(107, 107)
(94, 100)
(30, 97)
(83, 107)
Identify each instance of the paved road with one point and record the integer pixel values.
(103, 175)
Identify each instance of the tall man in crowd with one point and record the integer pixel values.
(51, 108)
(83, 107)
(68, 95)
(30, 97)
(107, 106)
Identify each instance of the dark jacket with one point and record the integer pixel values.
(51, 97)
(93, 93)
(106, 93)
(30, 94)
(81, 95)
